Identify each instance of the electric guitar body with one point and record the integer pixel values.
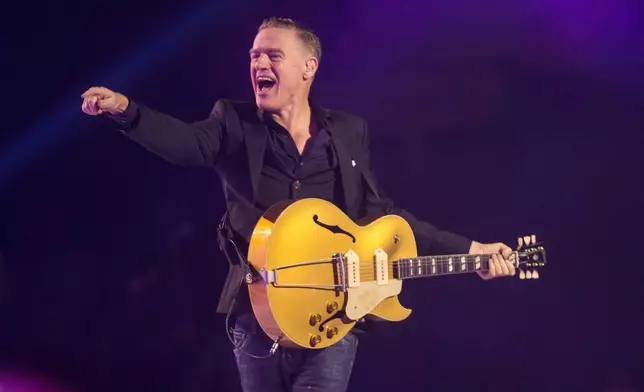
(321, 272)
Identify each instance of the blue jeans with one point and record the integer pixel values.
(290, 369)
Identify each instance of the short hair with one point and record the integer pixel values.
(305, 34)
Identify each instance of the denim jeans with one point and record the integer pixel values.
(290, 369)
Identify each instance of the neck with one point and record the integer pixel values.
(418, 267)
(295, 116)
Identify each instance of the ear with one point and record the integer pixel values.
(311, 67)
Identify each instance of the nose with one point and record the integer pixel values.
(262, 62)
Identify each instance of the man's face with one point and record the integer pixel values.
(277, 68)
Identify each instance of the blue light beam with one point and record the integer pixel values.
(57, 124)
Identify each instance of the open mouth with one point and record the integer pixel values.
(265, 83)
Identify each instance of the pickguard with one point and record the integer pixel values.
(364, 298)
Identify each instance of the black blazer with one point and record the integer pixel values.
(232, 140)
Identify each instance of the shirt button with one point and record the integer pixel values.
(297, 186)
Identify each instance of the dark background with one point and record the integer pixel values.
(492, 119)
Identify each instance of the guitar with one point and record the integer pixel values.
(320, 272)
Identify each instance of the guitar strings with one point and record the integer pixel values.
(424, 259)
(424, 262)
(394, 263)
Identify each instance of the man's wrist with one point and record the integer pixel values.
(121, 107)
(474, 247)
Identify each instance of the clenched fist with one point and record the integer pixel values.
(99, 100)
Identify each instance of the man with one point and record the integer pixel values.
(282, 147)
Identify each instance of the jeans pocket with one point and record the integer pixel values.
(240, 337)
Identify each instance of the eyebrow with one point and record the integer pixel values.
(269, 50)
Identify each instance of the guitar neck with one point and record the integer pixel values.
(426, 266)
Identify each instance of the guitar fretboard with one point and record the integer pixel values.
(419, 267)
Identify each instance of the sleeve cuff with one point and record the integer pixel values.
(128, 118)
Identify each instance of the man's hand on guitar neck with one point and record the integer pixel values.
(500, 264)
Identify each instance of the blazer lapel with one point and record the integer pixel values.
(361, 167)
(347, 171)
(256, 133)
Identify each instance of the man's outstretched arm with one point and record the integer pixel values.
(176, 141)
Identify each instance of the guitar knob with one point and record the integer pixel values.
(331, 332)
(331, 307)
(315, 339)
(314, 319)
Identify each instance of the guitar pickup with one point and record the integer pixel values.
(381, 264)
(353, 269)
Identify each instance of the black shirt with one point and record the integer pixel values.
(287, 175)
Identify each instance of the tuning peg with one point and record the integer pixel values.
(521, 275)
(527, 239)
(528, 274)
(520, 240)
(533, 239)
(535, 274)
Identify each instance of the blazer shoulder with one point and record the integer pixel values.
(349, 120)
(244, 110)
(233, 115)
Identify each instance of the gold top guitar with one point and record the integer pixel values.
(321, 273)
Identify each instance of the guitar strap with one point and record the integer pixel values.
(226, 240)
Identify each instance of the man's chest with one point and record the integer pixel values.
(300, 141)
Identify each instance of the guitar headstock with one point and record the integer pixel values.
(531, 255)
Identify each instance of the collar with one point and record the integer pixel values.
(321, 115)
